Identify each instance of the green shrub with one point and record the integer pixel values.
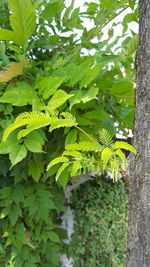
(101, 211)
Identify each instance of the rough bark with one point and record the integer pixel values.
(138, 254)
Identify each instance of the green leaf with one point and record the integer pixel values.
(23, 20)
(21, 237)
(35, 169)
(123, 90)
(74, 154)
(9, 145)
(130, 17)
(105, 59)
(114, 165)
(91, 94)
(59, 98)
(105, 156)
(64, 178)
(85, 146)
(124, 145)
(35, 141)
(54, 237)
(14, 214)
(71, 137)
(56, 161)
(18, 154)
(131, 46)
(58, 123)
(48, 85)
(21, 95)
(34, 120)
(90, 76)
(122, 157)
(75, 168)
(61, 169)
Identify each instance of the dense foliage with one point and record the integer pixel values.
(103, 240)
(55, 72)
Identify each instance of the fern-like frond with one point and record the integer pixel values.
(33, 116)
(32, 127)
(85, 146)
(105, 138)
(28, 118)
(58, 123)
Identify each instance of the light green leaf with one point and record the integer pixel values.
(122, 157)
(124, 145)
(20, 95)
(85, 146)
(56, 161)
(59, 98)
(61, 169)
(90, 76)
(105, 156)
(114, 165)
(48, 85)
(7, 35)
(58, 123)
(77, 98)
(35, 141)
(18, 154)
(91, 94)
(74, 154)
(75, 168)
(23, 20)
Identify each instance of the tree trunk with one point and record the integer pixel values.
(138, 254)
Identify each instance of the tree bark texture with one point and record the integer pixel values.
(138, 254)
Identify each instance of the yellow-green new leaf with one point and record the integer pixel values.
(105, 156)
(124, 145)
(85, 146)
(75, 168)
(61, 169)
(58, 99)
(56, 161)
(58, 123)
(122, 157)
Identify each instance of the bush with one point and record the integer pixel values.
(101, 211)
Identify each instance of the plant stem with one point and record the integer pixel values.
(92, 139)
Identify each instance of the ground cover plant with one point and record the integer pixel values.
(101, 219)
(61, 106)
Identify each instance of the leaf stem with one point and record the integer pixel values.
(92, 139)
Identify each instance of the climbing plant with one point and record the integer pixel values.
(66, 91)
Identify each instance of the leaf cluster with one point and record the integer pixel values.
(60, 84)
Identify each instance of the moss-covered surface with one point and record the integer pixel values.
(101, 211)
